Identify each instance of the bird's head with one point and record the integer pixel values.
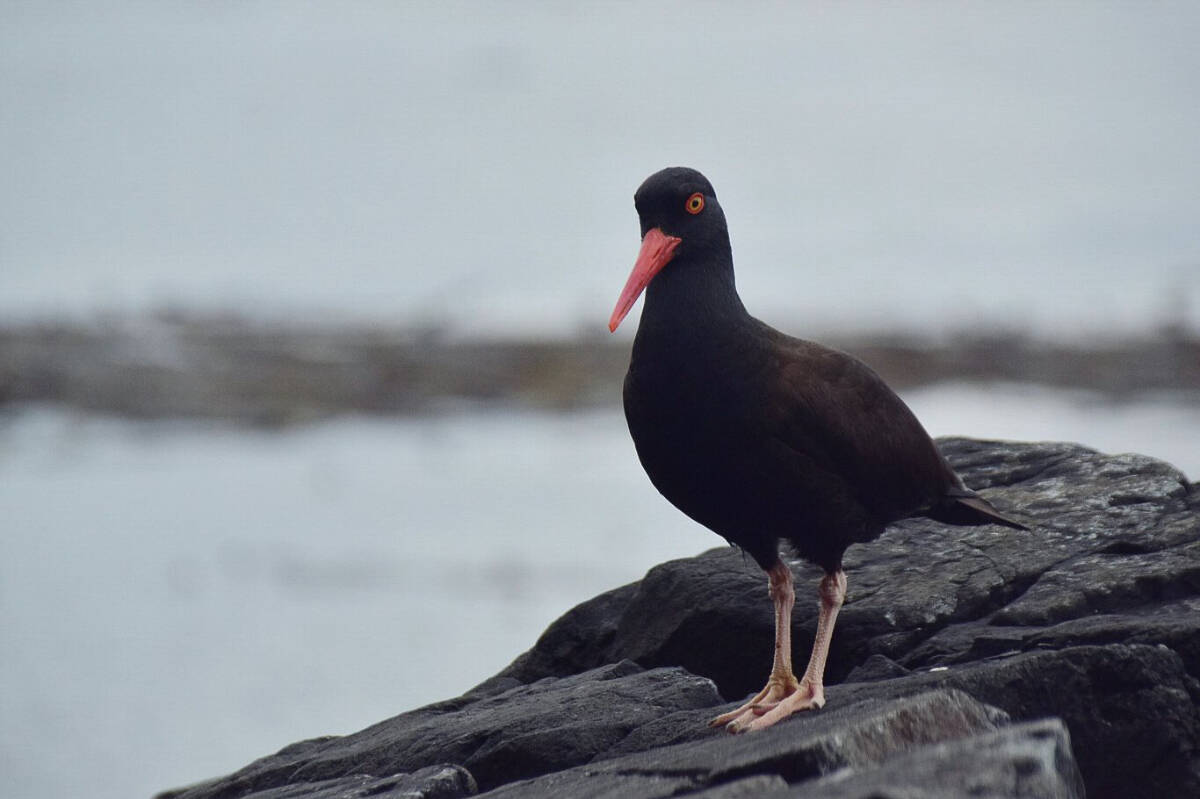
(679, 214)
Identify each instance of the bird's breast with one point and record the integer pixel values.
(692, 425)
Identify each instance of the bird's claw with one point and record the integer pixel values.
(775, 702)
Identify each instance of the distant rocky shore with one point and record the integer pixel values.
(981, 662)
(274, 374)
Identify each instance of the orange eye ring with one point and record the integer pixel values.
(695, 203)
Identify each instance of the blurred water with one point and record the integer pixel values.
(1028, 166)
(178, 600)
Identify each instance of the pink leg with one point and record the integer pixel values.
(782, 681)
(784, 695)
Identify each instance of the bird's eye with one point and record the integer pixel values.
(695, 203)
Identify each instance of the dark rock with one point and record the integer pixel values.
(1028, 760)
(1113, 558)
(876, 667)
(805, 746)
(758, 785)
(1106, 582)
(1092, 617)
(1133, 711)
(523, 732)
(434, 782)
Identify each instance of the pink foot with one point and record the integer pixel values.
(780, 699)
(809, 696)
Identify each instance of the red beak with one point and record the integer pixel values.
(657, 249)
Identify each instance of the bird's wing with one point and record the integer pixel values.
(835, 412)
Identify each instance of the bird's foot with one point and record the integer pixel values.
(776, 689)
(780, 699)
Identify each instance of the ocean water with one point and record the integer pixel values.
(470, 164)
(179, 600)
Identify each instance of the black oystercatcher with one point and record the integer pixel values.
(762, 437)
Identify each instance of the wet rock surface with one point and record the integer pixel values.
(1028, 759)
(966, 661)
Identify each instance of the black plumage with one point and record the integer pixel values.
(759, 436)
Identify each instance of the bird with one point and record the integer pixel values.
(764, 438)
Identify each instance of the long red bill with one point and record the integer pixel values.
(657, 249)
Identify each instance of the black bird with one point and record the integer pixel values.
(762, 437)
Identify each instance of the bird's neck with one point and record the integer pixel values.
(694, 293)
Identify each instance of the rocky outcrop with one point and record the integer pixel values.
(176, 365)
(967, 661)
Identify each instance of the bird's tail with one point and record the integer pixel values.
(963, 506)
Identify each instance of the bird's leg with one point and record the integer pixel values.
(811, 691)
(782, 681)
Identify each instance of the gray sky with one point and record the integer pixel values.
(924, 164)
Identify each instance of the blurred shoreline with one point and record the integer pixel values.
(275, 374)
